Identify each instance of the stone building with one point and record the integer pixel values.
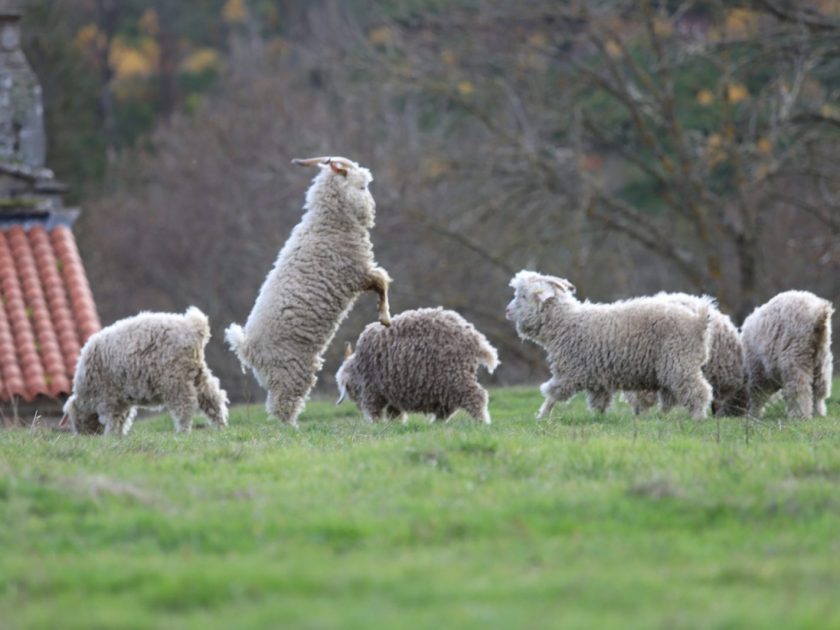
(47, 310)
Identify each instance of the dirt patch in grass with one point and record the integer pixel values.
(657, 487)
(98, 487)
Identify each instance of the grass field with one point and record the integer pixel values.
(580, 521)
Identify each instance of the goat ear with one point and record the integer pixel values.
(337, 168)
(563, 285)
(348, 350)
(545, 294)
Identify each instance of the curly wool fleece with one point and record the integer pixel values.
(724, 370)
(320, 271)
(643, 343)
(787, 344)
(425, 362)
(149, 359)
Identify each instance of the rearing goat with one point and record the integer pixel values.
(321, 270)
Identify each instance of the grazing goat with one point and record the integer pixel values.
(148, 360)
(787, 344)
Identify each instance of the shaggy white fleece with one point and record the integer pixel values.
(147, 360)
(643, 343)
(320, 271)
(787, 344)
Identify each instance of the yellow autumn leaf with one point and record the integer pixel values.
(714, 149)
(381, 36)
(448, 57)
(235, 11)
(830, 111)
(404, 70)
(128, 91)
(663, 27)
(532, 56)
(434, 168)
(466, 88)
(538, 40)
(149, 22)
(200, 61)
(150, 50)
(89, 37)
(737, 92)
(128, 62)
(705, 97)
(764, 146)
(741, 22)
(277, 46)
(532, 61)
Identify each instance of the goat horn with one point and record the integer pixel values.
(312, 161)
(343, 162)
(324, 159)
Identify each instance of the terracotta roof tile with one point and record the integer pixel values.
(75, 279)
(47, 311)
(11, 383)
(57, 302)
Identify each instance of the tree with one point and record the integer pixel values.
(686, 119)
(760, 83)
(630, 148)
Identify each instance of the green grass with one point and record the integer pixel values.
(580, 521)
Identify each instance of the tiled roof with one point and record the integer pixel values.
(47, 311)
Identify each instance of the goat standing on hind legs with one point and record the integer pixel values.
(320, 271)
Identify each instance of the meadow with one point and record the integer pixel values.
(580, 522)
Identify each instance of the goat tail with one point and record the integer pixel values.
(199, 323)
(487, 355)
(704, 325)
(235, 337)
(822, 337)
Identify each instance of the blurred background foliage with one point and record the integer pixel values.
(629, 146)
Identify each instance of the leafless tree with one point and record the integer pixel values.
(707, 108)
(629, 146)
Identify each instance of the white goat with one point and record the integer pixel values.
(148, 360)
(644, 343)
(321, 270)
(724, 369)
(787, 344)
